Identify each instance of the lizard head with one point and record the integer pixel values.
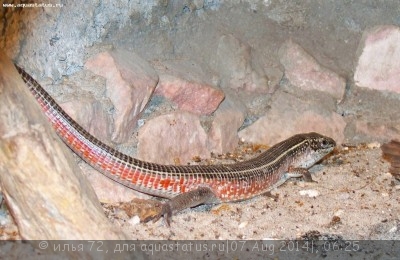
(321, 144)
(316, 147)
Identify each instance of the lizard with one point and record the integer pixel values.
(187, 185)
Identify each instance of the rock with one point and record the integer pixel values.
(379, 61)
(370, 115)
(292, 114)
(375, 131)
(195, 97)
(130, 84)
(305, 72)
(309, 193)
(45, 191)
(172, 139)
(223, 134)
(243, 224)
(274, 77)
(107, 190)
(234, 64)
(88, 113)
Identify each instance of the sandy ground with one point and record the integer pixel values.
(355, 197)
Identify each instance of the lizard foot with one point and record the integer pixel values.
(164, 211)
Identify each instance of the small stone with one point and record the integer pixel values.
(243, 224)
(309, 193)
(339, 212)
(301, 184)
(393, 229)
(373, 145)
(134, 220)
(388, 175)
(268, 238)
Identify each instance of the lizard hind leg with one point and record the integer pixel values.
(201, 195)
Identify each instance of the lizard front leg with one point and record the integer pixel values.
(300, 172)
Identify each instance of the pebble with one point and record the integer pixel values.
(310, 193)
(301, 184)
(243, 224)
(339, 212)
(393, 229)
(134, 220)
(373, 145)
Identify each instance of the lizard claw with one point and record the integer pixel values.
(307, 177)
(165, 212)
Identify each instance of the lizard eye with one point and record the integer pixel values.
(324, 143)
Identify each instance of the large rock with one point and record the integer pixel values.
(130, 84)
(234, 64)
(172, 139)
(89, 113)
(371, 115)
(45, 191)
(223, 134)
(191, 96)
(292, 114)
(379, 62)
(107, 190)
(375, 131)
(305, 72)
